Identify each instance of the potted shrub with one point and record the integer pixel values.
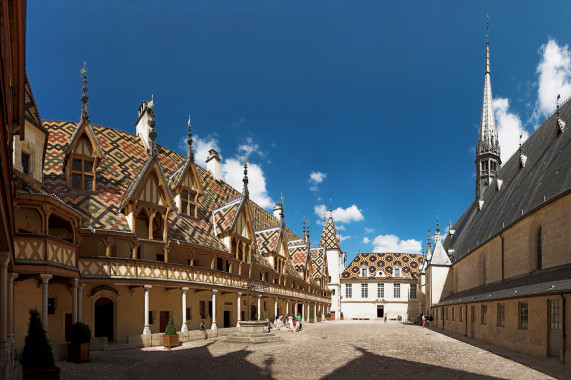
(311, 317)
(319, 316)
(79, 346)
(341, 315)
(170, 338)
(37, 358)
(328, 315)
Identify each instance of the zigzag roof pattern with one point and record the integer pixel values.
(317, 261)
(298, 256)
(329, 236)
(268, 240)
(410, 265)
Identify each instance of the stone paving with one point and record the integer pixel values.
(329, 350)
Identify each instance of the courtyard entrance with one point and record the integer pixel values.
(380, 311)
(104, 318)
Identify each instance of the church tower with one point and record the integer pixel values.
(488, 161)
(335, 262)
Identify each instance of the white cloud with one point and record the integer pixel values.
(509, 128)
(369, 230)
(233, 173)
(341, 215)
(200, 146)
(316, 177)
(391, 243)
(344, 237)
(340, 228)
(554, 72)
(250, 147)
(366, 240)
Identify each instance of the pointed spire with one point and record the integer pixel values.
(245, 190)
(330, 208)
(282, 212)
(190, 154)
(429, 243)
(437, 224)
(84, 97)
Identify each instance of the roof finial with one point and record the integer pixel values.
(487, 26)
(520, 142)
(437, 225)
(84, 97)
(245, 191)
(429, 242)
(330, 207)
(324, 218)
(557, 102)
(189, 141)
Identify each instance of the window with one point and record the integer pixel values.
(363, 272)
(202, 309)
(412, 291)
(348, 291)
(396, 271)
(539, 249)
(397, 291)
(453, 313)
(523, 314)
(461, 313)
(26, 163)
(501, 314)
(82, 173)
(446, 313)
(364, 291)
(380, 290)
(188, 202)
(484, 314)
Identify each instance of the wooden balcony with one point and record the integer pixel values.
(44, 249)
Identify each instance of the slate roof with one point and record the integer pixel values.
(546, 176)
(410, 265)
(547, 281)
(329, 236)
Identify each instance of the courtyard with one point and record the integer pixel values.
(329, 350)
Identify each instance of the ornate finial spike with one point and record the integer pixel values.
(330, 207)
(189, 141)
(520, 141)
(282, 199)
(487, 26)
(84, 97)
(437, 224)
(245, 191)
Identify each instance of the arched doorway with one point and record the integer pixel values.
(104, 318)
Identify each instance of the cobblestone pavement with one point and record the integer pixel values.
(330, 350)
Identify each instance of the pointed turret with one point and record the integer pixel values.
(488, 160)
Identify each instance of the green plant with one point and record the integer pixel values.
(262, 318)
(37, 353)
(170, 329)
(328, 315)
(319, 314)
(79, 333)
(311, 315)
(341, 313)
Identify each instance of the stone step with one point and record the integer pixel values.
(251, 335)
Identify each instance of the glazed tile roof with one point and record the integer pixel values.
(329, 236)
(410, 265)
(225, 216)
(317, 261)
(268, 240)
(298, 256)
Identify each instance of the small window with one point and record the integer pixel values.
(396, 271)
(348, 291)
(82, 173)
(160, 257)
(501, 314)
(397, 290)
(446, 313)
(26, 163)
(380, 290)
(461, 313)
(363, 272)
(484, 316)
(453, 313)
(523, 315)
(188, 202)
(412, 291)
(364, 291)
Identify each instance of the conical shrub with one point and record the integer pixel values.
(37, 353)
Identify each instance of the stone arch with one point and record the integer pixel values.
(104, 304)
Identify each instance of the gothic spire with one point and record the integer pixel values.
(189, 141)
(488, 160)
(245, 190)
(84, 97)
(330, 208)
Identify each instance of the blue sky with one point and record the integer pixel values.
(373, 104)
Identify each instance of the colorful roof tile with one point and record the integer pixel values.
(298, 256)
(385, 262)
(317, 261)
(329, 236)
(268, 240)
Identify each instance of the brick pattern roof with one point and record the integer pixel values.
(410, 265)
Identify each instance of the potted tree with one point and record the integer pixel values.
(319, 316)
(311, 317)
(79, 346)
(328, 315)
(341, 315)
(37, 358)
(170, 338)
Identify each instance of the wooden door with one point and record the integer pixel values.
(164, 321)
(554, 326)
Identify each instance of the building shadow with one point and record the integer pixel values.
(373, 366)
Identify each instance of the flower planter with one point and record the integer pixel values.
(311, 320)
(41, 374)
(78, 352)
(318, 319)
(170, 340)
(328, 318)
(342, 318)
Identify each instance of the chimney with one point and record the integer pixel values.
(146, 125)
(213, 164)
(278, 209)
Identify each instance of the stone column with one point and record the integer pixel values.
(276, 308)
(74, 282)
(184, 327)
(4, 344)
(147, 328)
(11, 308)
(315, 311)
(303, 311)
(259, 308)
(295, 310)
(239, 304)
(80, 302)
(213, 325)
(45, 279)
(287, 307)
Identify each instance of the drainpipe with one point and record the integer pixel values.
(502, 237)
(563, 326)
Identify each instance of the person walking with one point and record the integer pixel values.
(203, 329)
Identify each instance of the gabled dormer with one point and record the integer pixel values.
(185, 183)
(272, 245)
(148, 202)
(233, 225)
(83, 153)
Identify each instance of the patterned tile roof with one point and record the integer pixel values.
(268, 240)
(329, 236)
(317, 261)
(225, 216)
(298, 256)
(410, 265)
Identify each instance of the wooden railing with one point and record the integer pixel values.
(115, 267)
(44, 248)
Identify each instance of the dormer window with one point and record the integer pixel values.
(82, 173)
(26, 161)
(396, 272)
(188, 202)
(364, 272)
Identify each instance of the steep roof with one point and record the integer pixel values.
(545, 177)
(268, 239)
(298, 255)
(329, 236)
(439, 255)
(317, 261)
(410, 265)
